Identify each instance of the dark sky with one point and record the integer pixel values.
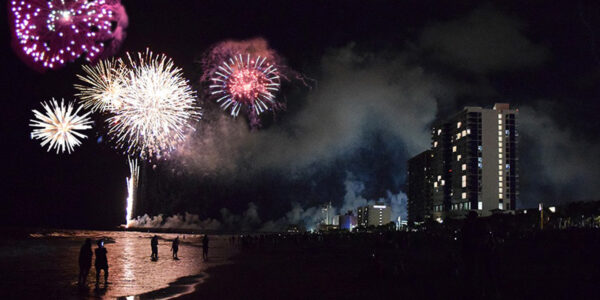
(383, 71)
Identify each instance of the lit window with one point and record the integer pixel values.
(435, 184)
(500, 167)
(453, 148)
(500, 139)
(479, 205)
(500, 178)
(464, 133)
(499, 121)
(499, 127)
(435, 144)
(500, 155)
(500, 161)
(500, 196)
(464, 184)
(499, 190)
(458, 136)
(479, 159)
(464, 167)
(479, 148)
(464, 195)
(500, 150)
(499, 116)
(500, 173)
(464, 178)
(500, 206)
(500, 184)
(440, 177)
(439, 131)
(458, 124)
(480, 165)
(468, 130)
(500, 145)
(443, 182)
(458, 157)
(508, 166)
(507, 132)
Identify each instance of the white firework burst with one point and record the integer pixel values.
(248, 81)
(156, 107)
(60, 126)
(103, 85)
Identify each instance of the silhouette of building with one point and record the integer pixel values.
(347, 221)
(420, 190)
(474, 162)
(374, 215)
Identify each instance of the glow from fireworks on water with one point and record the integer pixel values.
(51, 32)
(132, 183)
(103, 85)
(248, 81)
(60, 125)
(156, 107)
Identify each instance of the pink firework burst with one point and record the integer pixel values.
(49, 33)
(246, 81)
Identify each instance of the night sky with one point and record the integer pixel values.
(377, 74)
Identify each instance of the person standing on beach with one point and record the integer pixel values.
(85, 261)
(205, 247)
(175, 247)
(154, 245)
(101, 262)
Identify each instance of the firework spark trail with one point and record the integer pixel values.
(60, 125)
(103, 85)
(132, 183)
(49, 33)
(156, 107)
(245, 81)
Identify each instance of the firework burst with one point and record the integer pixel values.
(60, 125)
(49, 33)
(103, 86)
(245, 81)
(156, 107)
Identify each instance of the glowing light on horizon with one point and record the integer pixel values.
(245, 81)
(59, 126)
(132, 183)
(49, 33)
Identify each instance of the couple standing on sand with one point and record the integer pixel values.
(85, 262)
(175, 247)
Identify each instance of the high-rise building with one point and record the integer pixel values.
(374, 215)
(474, 162)
(420, 190)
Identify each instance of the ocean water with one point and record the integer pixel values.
(45, 265)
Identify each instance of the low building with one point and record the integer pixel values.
(347, 221)
(374, 215)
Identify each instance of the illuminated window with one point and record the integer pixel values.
(439, 131)
(464, 184)
(500, 139)
(435, 184)
(500, 145)
(500, 150)
(500, 161)
(507, 132)
(479, 205)
(458, 136)
(500, 196)
(440, 177)
(464, 195)
(435, 144)
(508, 166)
(499, 116)
(499, 167)
(464, 167)
(479, 148)
(500, 155)
(499, 190)
(499, 127)
(500, 184)
(468, 130)
(458, 124)
(500, 178)
(464, 178)
(443, 182)
(458, 157)
(500, 173)
(464, 133)
(500, 206)
(453, 148)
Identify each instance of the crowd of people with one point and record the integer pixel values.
(101, 258)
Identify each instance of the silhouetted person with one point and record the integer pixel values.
(175, 247)
(154, 245)
(205, 247)
(85, 261)
(101, 262)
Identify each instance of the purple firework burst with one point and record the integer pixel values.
(49, 33)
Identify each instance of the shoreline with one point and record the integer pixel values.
(180, 287)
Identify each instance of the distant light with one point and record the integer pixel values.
(379, 206)
(552, 209)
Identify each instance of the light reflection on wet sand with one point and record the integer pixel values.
(49, 263)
